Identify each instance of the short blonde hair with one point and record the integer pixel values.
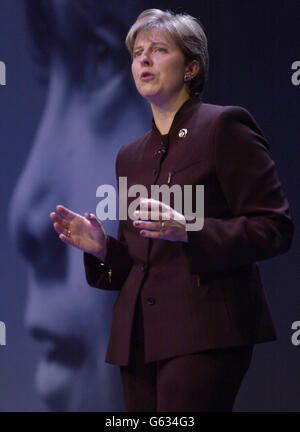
(186, 31)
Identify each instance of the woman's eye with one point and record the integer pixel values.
(137, 53)
(161, 49)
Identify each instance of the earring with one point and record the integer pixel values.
(186, 77)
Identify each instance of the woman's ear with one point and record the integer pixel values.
(192, 69)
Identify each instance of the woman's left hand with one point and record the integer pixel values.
(159, 221)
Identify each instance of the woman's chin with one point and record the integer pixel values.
(148, 91)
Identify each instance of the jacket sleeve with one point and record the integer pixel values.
(111, 273)
(260, 226)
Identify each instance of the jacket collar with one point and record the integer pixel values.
(184, 111)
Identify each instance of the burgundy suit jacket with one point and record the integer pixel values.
(206, 293)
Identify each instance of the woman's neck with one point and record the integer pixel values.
(164, 113)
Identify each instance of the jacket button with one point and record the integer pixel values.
(143, 268)
(151, 300)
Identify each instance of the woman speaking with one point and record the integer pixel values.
(191, 305)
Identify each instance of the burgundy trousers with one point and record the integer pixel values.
(200, 382)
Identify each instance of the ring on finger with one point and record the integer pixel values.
(68, 233)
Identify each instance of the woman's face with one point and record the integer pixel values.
(158, 66)
(85, 121)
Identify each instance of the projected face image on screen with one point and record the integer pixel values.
(91, 101)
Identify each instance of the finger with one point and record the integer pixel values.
(61, 229)
(165, 208)
(153, 234)
(154, 215)
(150, 204)
(67, 213)
(148, 215)
(157, 208)
(92, 218)
(153, 204)
(56, 218)
(151, 226)
(66, 239)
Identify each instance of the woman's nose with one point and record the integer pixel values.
(38, 191)
(146, 59)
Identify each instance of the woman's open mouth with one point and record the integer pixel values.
(147, 76)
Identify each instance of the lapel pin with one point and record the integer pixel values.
(182, 133)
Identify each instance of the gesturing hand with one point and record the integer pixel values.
(159, 221)
(84, 232)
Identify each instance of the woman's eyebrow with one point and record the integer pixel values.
(152, 43)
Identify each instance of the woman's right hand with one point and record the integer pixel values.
(84, 232)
